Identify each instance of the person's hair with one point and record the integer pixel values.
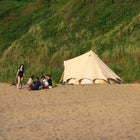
(37, 78)
(32, 76)
(20, 67)
(48, 75)
(42, 77)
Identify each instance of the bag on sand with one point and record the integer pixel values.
(14, 83)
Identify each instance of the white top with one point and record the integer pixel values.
(30, 80)
(45, 82)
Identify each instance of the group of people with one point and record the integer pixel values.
(44, 83)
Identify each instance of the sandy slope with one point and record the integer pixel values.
(91, 112)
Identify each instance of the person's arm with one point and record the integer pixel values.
(40, 87)
(17, 73)
(31, 83)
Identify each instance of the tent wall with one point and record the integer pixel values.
(88, 69)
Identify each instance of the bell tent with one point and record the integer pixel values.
(88, 69)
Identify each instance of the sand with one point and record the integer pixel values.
(70, 112)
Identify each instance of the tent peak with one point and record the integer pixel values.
(92, 53)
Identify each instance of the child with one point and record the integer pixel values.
(30, 79)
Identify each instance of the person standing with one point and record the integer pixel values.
(20, 75)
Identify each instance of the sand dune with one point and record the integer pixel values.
(90, 112)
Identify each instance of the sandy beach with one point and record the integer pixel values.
(71, 112)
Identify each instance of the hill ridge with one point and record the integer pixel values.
(47, 35)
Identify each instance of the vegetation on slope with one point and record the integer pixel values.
(42, 34)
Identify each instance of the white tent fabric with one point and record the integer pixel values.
(87, 67)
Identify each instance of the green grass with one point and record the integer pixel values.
(55, 31)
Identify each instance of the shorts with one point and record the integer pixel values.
(45, 87)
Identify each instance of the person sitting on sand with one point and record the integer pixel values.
(34, 85)
(47, 76)
(30, 79)
(44, 83)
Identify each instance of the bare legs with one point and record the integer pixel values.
(20, 81)
(28, 87)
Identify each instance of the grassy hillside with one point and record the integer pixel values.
(42, 34)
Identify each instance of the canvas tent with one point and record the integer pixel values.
(88, 69)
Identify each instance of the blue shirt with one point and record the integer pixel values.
(36, 84)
